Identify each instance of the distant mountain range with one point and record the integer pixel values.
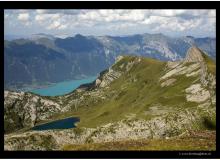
(43, 58)
(11, 37)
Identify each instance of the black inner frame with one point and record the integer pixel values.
(104, 5)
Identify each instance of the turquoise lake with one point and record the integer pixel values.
(58, 124)
(62, 88)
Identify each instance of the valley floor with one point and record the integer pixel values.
(193, 141)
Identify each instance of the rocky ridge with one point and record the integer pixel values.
(184, 80)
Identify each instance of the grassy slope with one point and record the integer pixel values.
(135, 92)
(135, 97)
(210, 64)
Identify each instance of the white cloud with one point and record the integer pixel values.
(40, 18)
(54, 25)
(40, 11)
(212, 13)
(56, 16)
(46, 17)
(62, 26)
(167, 13)
(91, 18)
(117, 20)
(23, 16)
(57, 25)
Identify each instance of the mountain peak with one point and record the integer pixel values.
(41, 35)
(194, 54)
(79, 35)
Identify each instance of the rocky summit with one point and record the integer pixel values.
(135, 100)
(194, 54)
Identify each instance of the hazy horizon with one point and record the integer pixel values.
(113, 22)
(65, 36)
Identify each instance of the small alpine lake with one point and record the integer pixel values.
(62, 88)
(66, 123)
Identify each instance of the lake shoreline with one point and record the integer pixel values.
(63, 88)
(57, 124)
(54, 89)
(36, 86)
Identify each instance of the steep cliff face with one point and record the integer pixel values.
(136, 98)
(115, 71)
(194, 54)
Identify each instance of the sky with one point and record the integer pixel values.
(114, 22)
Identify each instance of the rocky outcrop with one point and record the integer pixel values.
(195, 93)
(180, 69)
(23, 110)
(107, 78)
(168, 82)
(169, 125)
(115, 71)
(194, 54)
(194, 65)
(31, 141)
